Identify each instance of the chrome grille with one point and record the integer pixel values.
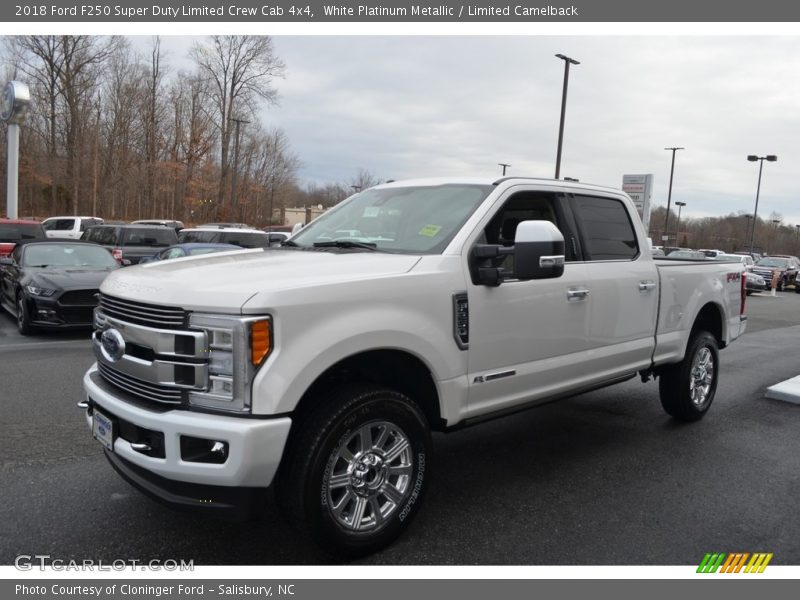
(149, 315)
(140, 389)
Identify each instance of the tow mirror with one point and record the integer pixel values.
(538, 250)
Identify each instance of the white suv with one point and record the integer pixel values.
(69, 227)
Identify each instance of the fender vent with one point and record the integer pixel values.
(461, 320)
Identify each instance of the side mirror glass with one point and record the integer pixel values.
(538, 250)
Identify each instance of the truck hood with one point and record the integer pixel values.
(223, 282)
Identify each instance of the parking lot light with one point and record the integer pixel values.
(754, 158)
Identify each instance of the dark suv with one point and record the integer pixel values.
(13, 231)
(131, 243)
(786, 268)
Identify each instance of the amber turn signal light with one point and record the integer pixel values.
(259, 341)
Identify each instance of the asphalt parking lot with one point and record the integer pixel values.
(604, 478)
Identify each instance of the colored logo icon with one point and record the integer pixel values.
(739, 562)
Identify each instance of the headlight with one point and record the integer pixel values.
(39, 291)
(237, 347)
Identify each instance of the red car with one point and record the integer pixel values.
(15, 230)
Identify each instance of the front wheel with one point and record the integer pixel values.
(687, 388)
(356, 470)
(23, 315)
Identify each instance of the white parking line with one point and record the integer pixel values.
(85, 343)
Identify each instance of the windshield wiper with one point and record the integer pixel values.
(346, 244)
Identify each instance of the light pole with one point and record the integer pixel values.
(567, 62)
(680, 205)
(505, 166)
(775, 230)
(669, 194)
(754, 158)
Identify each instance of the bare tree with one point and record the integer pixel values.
(81, 58)
(193, 135)
(153, 111)
(241, 70)
(363, 180)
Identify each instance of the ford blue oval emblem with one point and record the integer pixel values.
(112, 344)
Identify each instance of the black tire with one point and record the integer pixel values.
(353, 517)
(780, 285)
(749, 292)
(23, 315)
(682, 395)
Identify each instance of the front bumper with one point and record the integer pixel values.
(49, 312)
(255, 445)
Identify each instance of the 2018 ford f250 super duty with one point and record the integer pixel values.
(320, 368)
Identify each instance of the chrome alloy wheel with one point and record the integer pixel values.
(702, 376)
(369, 476)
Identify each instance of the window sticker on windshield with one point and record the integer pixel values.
(430, 230)
(370, 212)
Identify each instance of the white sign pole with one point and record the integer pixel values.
(16, 98)
(12, 185)
(640, 189)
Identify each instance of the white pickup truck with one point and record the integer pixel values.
(320, 368)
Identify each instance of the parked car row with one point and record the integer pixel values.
(50, 272)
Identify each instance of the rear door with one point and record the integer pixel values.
(623, 286)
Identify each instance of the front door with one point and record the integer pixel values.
(526, 337)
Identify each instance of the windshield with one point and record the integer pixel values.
(412, 220)
(67, 255)
(777, 263)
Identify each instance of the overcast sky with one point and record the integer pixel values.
(403, 107)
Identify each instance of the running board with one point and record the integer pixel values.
(534, 403)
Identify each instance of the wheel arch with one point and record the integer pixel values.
(710, 318)
(395, 369)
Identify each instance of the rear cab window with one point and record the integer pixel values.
(608, 232)
(59, 224)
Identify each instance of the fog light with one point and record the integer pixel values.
(201, 450)
(47, 314)
(221, 386)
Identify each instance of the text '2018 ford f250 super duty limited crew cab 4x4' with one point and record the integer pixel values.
(320, 368)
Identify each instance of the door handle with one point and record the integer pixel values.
(647, 286)
(577, 294)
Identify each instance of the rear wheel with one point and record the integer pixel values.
(687, 388)
(356, 470)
